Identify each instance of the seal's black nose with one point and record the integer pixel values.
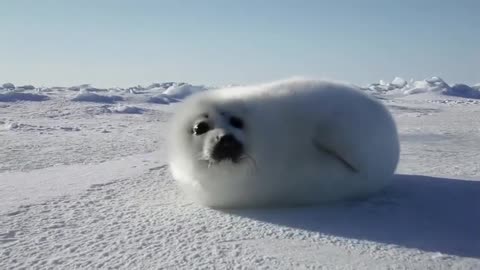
(227, 147)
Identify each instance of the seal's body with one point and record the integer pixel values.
(284, 143)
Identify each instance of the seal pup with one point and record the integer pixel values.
(285, 143)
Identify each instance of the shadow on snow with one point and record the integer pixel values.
(426, 213)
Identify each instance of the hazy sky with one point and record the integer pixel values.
(123, 43)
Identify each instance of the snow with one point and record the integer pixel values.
(26, 87)
(9, 86)
(86, 96)
(35, 186)
(463, 90)
(83, 187)
(128, 109)
(399, 82)
(433, 84)
(430, 85)
(162, 99)
(11, 125)
(182, 91)
(18, 96)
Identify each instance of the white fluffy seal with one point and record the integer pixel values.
(284, 143)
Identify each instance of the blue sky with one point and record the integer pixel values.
(123, 43)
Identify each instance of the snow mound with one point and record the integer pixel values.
(399, 82)
(81, 87)
(437, 85)
(153, 88)
(128, 109)
(85, 96)
(383, 86)
(161, 99)
(183, 91)
(94, 89)
(158, 93)
(98, 110)
(164, 85)
(74, 88)
(9, 86)
(399, 85)
(434, 84)
(463, 90)
(26, 87)
(11, 126)
(16, 96)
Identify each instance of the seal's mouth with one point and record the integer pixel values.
(243, 160)
(211, 161)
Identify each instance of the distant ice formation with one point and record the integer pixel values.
(430, 85)
(18, 96)
(172, 92)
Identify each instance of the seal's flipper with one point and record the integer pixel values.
(337, 156)
(335, 139)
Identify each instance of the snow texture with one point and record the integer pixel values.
(128, 109)
(93, 97)
(84, 188)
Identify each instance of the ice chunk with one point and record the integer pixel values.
(399, 82)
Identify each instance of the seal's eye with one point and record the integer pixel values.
(236, 122)
(201, 128)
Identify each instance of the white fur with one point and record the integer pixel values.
(287, 124)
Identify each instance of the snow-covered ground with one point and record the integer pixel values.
(84, 183)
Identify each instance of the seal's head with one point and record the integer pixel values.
(217, 136)
(210, 133)
(211, 149)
